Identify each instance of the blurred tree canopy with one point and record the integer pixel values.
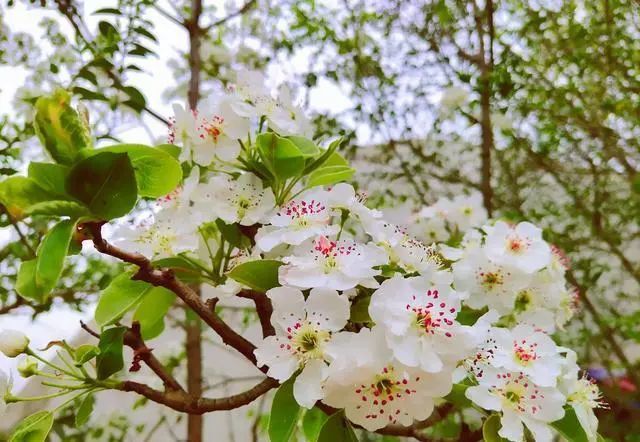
(536, 105)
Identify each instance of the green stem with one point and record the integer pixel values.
(51, 364)
(10, 399)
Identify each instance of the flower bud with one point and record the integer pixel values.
(13, 343)
(28, 367)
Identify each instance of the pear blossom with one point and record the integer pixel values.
(251, 98)
(180, 203)
(5, 390)
(158, 237)
(303, 330)
(335, 264)
(243, 200)
(467, 211)
(303, 217)
(541, 304)
(374, 389)
(429, 229)
(419, 321)
(531, 352)
(13, 343)
(583, 395)
(521, 402)
(453, 97)
(519, 246)
(218, 130)
(487, 283)
(182, 127)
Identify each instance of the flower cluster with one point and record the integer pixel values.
(367, 314)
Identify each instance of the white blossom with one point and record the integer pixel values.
(519, 246)
(374, 389)
(303, 330)
(303, 217)
(521, 401)
(336, 264)
(419, 321)
(13, 343)
(243, 200)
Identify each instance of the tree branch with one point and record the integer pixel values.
(263, 308)
(181, 401)
(167, 279)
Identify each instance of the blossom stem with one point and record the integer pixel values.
(51, 364)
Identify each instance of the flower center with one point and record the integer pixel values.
(516, 245)
(525, 353)
(306, 341)
(523, 301)
(491, 279)
(434, 316)
(381, 397)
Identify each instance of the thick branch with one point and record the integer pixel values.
(166, 278)
(133, 339)
(181, 401)
(263, 308)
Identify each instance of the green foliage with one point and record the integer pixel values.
(157, 172)
(60, 128)
(106, 183)
(280, 155)
(34, 428)
(51, 255)
(260, 275)
(151, 312)
(18, 194)
(569, 427)
(110, 360)
(84, 410)
(39, 276)
(337, 428)
(490, 429)
(85, 353)
(312, 423)
(51, 177)
(285, 413)
(122, 295)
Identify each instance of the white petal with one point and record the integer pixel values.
(328, 309)
(307, 388)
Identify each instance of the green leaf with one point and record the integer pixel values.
(50, 176)
(307, 147)
(34, 428)
(51, 255)
(171, 149)
(152, 310)
(106, 183)
(280, 155)
(26, 282)
(122, 295)
(260, 275)
(84, 411)
(157, 171)
(322, 159)
(58, 208)
(232, 234)
(19, 193)
(61, 130)
(360, 310)
(312, 423)
(490, 429)
(569, 427)
(85, 353)
(110, 360)
(457, 395)
(337, 428)
(329, 175)
(285, 413)
(184, 269)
